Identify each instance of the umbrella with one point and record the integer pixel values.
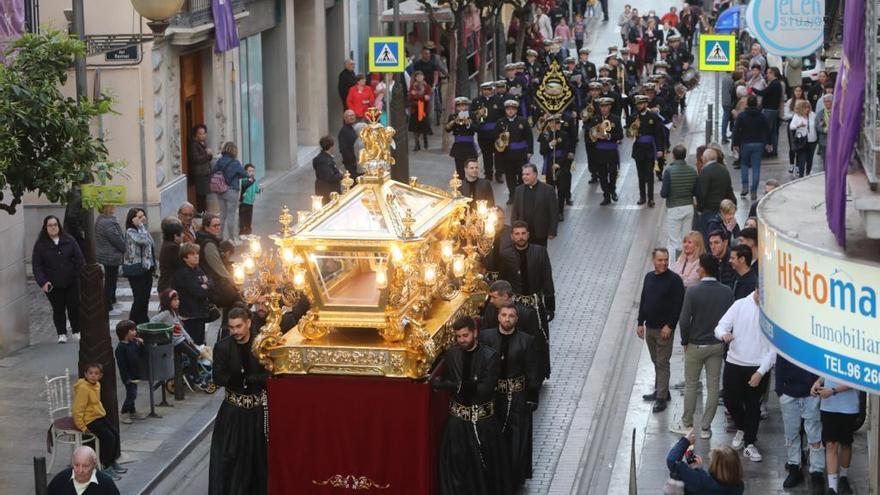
(730, 20)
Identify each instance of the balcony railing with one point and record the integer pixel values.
(198, 12)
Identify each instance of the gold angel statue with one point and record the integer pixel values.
(377, 139)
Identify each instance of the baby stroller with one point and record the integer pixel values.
(196, 373)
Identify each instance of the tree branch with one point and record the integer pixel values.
(10, 208)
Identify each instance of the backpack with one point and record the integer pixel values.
(218, 183)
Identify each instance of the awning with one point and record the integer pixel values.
(415, 11)
(730, 20)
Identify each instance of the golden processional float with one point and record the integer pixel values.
(386, 266)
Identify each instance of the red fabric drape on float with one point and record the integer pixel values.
(335, 434)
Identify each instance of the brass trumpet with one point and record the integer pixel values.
(601, 131)
(482, 112)
(587, 113)
(633, 130)
(502, 141)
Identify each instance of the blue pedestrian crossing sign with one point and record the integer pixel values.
(387, 54)
(717, 52)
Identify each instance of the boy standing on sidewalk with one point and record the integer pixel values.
(129, 353)
(249, 191)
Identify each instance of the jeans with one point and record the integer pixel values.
(772, 117)
(750, 158)
(795, 409)
(725, 119)
(804, 159)
(743, 401)
(697, 357)
(228, 218)
(660, 350)
(131, 393)
(679, 220)
(65, 299)
(140, 293)
(111, 275)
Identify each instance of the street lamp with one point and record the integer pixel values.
(157, 11)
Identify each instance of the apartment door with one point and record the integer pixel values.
(191, 111)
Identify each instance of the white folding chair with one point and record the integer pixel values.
(62, 429)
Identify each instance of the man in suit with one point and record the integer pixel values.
(704, 305)
(347, 139)
(499, 243)
(83, 477)
(535, 203)
(474, 187)
(713, 186)
(327, 176)
(347, 79)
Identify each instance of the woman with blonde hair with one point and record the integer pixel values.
(725, 474)
(804, 136)
(692, 246)
(230, 169)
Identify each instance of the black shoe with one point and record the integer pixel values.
(614, 196)
(569, 202)
(817, 483)
(605, 201)
(744, 192)
(650, 397)
(561, 217)
(843, 487)
(605, 20)
(417, 147)
(650, 203)
(641, 201)
(659, 406)
(794, 478)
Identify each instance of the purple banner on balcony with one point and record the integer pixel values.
(225, 30)
(11, 23)
(846, 118)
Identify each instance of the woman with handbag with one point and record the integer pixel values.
(139, 263)
(56, 261)
(803, 126)
(192, 286)
(797, 94)
(231, 171)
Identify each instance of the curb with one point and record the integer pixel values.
(175, 460)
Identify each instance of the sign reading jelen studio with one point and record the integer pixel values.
(787, 27)
(821, 311)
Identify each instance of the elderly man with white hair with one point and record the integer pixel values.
(713, 186)
(83, 477)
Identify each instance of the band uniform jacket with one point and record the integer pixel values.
(477, 190)
(617, 106)
(464, 136)
(677, 58)
(652, 126)
(608, 155)
(558, 154)
(540, 273)
(520, 144)
(587, 70)
(544, 210)
(494, 113)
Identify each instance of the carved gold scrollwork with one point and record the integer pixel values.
(351, 482)
(270, 335)
(394, 329)
(309, 328)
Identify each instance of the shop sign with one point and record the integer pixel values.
(787, 27)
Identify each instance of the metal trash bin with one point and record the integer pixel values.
(160, 357)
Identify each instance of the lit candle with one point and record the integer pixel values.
(299, 278)
(238, 274)
(249, 266)
(381, 277)
(490, 225)
(301, 217)
(429, 273)
(317, 203)
(256, 247)
(458, 265)
(482, 208)
(446, 249)
(287, 255)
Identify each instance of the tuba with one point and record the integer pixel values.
(633, 130)
(601, 131)
(502, 142)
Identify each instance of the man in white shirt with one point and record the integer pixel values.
(83, 477)
(749, 360)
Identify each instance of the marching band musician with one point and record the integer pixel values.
(488, 109)
(515, 85)
(679, 58)
(647, 131)
(551, 54)
(609, 91)
(463, 128)
(586, 68)
(501, 90)
(518, 148)
(522, 78)
(557, 147)
(591, 109)
(657, 104)
(533, 67)
(605, 149)
(612, 53)
(631, 68)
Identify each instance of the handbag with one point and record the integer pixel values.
(800, 142)
(218, 183)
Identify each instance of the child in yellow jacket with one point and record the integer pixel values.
(89, 415)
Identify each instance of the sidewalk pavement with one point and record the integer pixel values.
(652, 436)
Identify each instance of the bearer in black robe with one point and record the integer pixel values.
(473, 460)
(527, 267)
(239, 456)
(518, 385)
